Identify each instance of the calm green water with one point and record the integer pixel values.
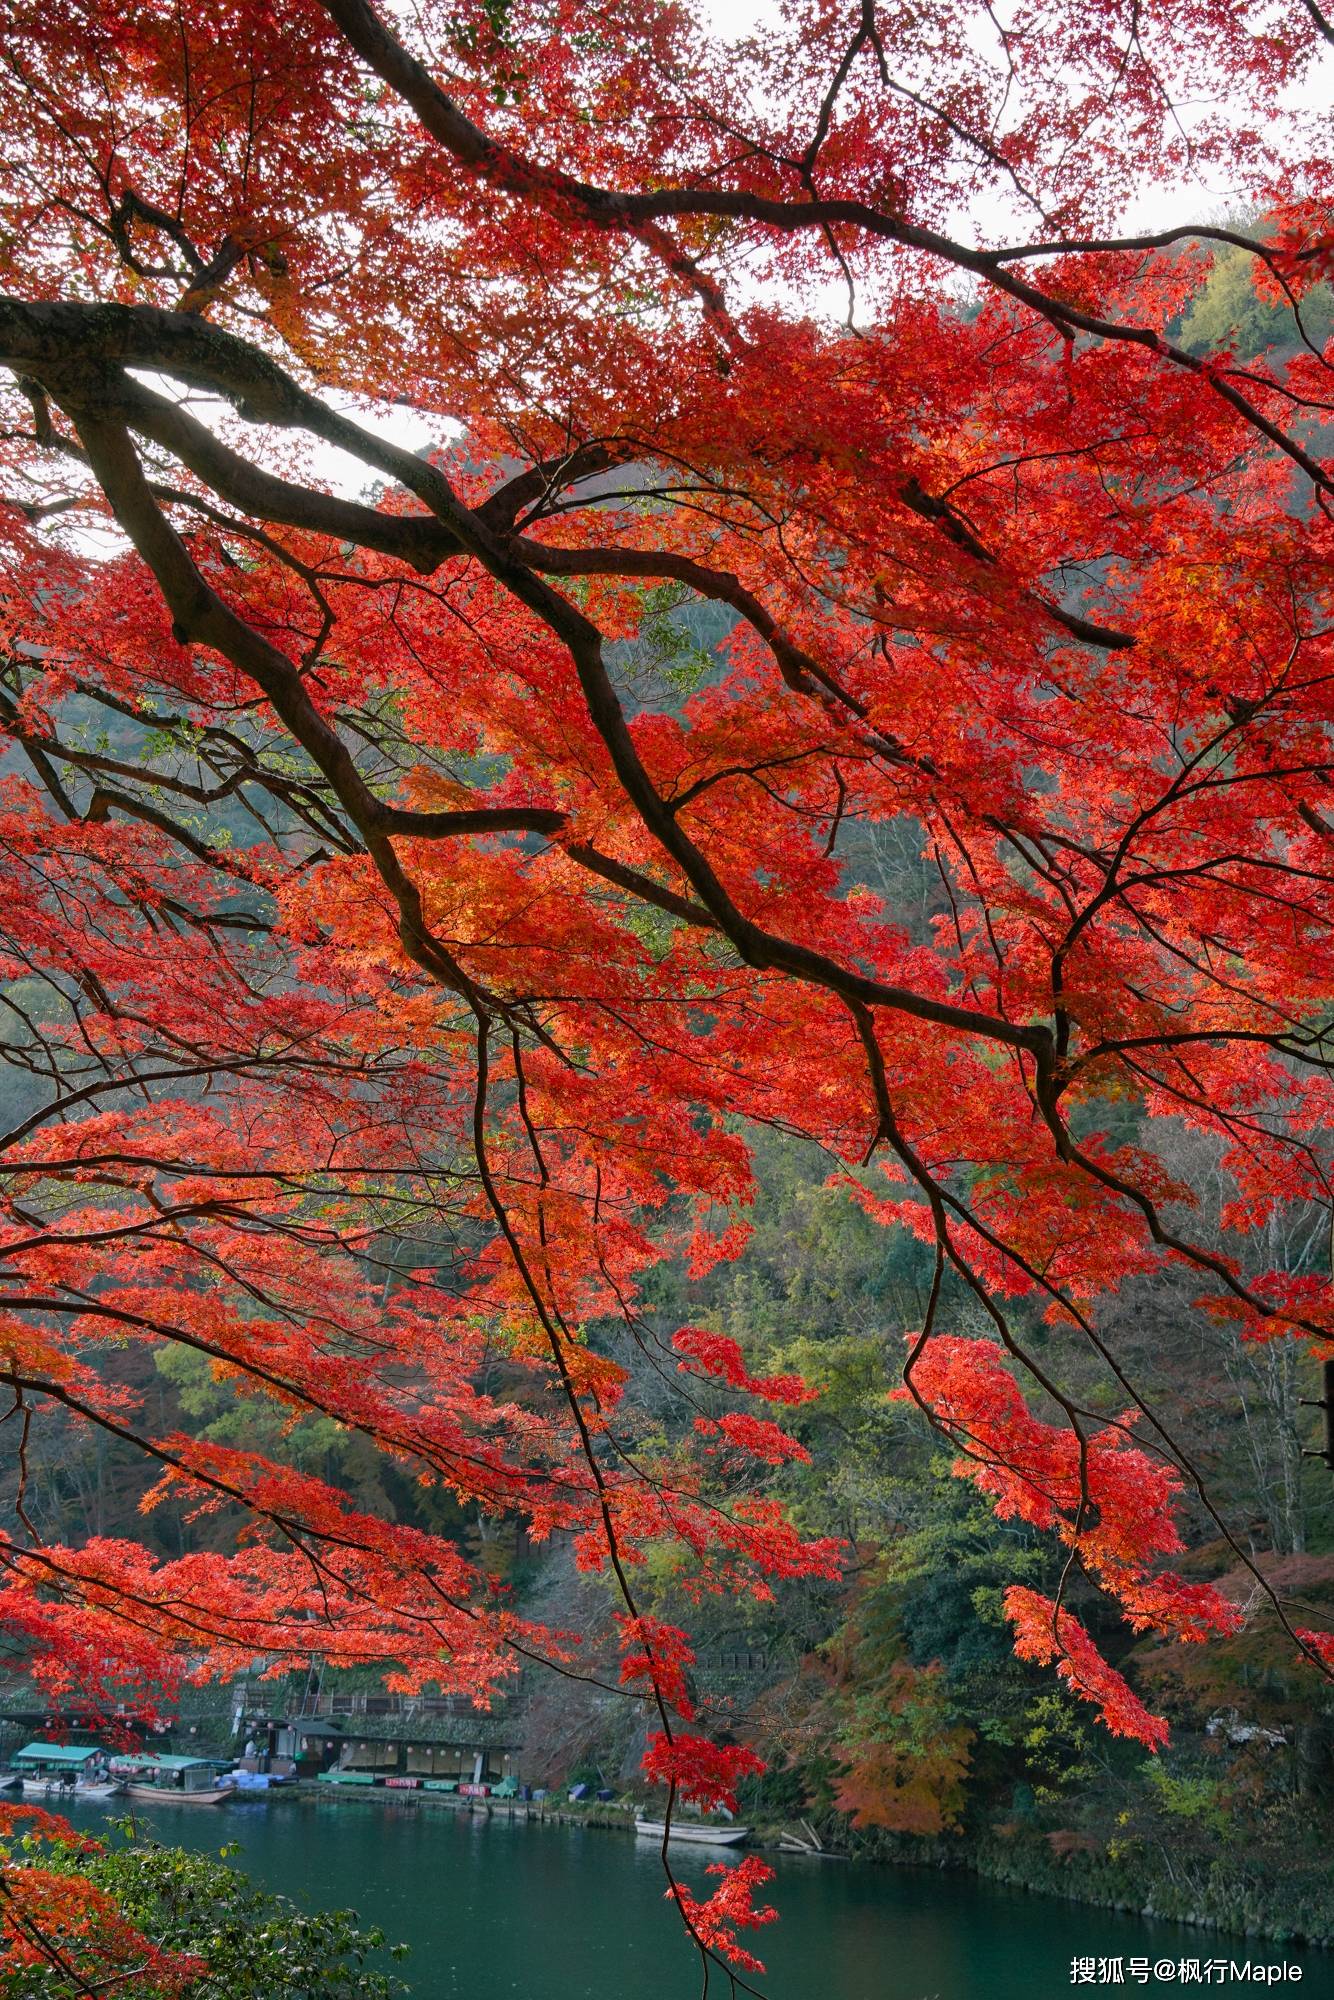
(500, 1910)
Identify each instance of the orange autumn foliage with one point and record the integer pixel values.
(907, 1774)
(59, 1923)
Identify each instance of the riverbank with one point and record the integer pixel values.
(617, 1815)
(1232, 1893)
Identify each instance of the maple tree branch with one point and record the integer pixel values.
(67, 339)
(557, 1335)
(419, 540)
(426, 541)
(44, 338)
(45, 1947)
(799, 669)
(606, 209)
(527, 492)
(201, 616)
(105, 798)
(495, 1483)
(941, 1203)
(1320, 20)
(933, 508)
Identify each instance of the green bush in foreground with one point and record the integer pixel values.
(256, 1945)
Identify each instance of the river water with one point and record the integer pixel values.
(507, 1910)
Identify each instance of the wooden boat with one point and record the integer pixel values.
(70, 1790)
(174, 1781)
(177, 1795)
(698, 1832)
(63, 1771)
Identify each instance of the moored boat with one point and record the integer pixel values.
(160, 1779)
(64, 1771)
(177, 1795)
(699, 1832)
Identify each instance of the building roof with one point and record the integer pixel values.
(163, 1761)
(24, 1711)
(456, 1732)
(56, 1753)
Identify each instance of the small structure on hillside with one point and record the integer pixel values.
(388, 1739)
